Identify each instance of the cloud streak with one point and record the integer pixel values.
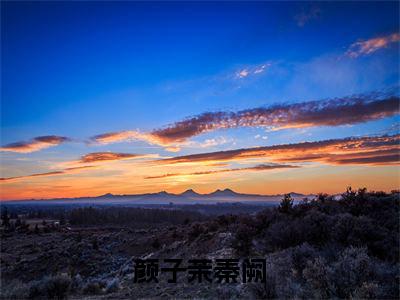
(107, 156)
(252, 70)
(36, 144)
(366, 47)
(131, 135)
(63, 172)
(261, 167)
(380, 150)
(332, 112)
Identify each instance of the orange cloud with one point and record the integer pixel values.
(362, 150)
(131, 135)
(262, 167)
(113, 137)
(366, 47)
(36, 144)
(106, 156)
(331, 112)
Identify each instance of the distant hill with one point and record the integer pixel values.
(163, 197)
(190, 193)
(224, 193)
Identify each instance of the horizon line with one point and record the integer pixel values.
(181, 194)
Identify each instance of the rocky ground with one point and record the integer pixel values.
(99, 260)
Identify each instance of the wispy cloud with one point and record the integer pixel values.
(259, 136)
(208, 143)
(384, 157)
(53, 173)
(132, 135)
(172, 146)
(365, 47)
(107, 156)
(261, 167)
(36, 144)
(252, 70)
(332, 112)
(354, 150)
(112, 137)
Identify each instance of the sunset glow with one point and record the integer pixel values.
(204, 96)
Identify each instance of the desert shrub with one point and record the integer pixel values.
(156, 244)
(343, 227)
(227, 292)
(286, 204)
(281, 235)
(58, 287)
(195, 230)
(77, 282)
(94, 287)
(51, 287)
(301, 255)
(95, 244)
(226, 220)
(352, 269)
(265, 290)
(368, 290)
(314, 228)
(175, 234)
(362, 231)
(246, 220)
(263, 219)
(14, 290)
(317, 278)
(242, 241)
(212, 227)
(112, 285)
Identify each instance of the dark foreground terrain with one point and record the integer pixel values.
(319, 248)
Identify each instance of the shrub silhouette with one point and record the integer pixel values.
(327, 248)
(243, 240)
(53, 287)
(286, 204)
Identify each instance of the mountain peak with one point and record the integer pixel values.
(225, 192)
(190, 192)
(106, 195)
(162, 193)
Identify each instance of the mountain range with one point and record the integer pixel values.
(187, 197)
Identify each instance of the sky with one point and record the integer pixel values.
(140, 97)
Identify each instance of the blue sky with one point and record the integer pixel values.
(80, 69)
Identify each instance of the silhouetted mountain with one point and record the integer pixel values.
(190, 193)
(159, 194)
(106, 195)
(224, 193)
(163, 197)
